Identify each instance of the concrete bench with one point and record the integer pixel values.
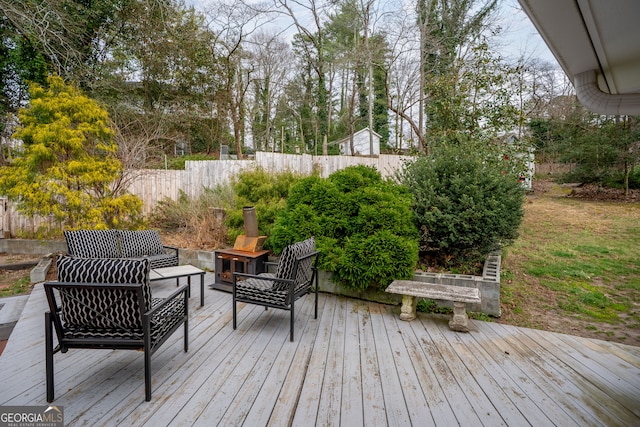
(460, 295)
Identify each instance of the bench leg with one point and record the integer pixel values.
(460, 321)
(408, 310)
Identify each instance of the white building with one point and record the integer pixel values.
(361, 143)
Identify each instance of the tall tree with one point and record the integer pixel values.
(69, 34)
(359, 53)
(20, 63)
(473, 99)
(404, 83)
(311, 43)
(38, 37)
(272, 58)
(158, 76)
(448, 27)
(233, 24)
(68, 166)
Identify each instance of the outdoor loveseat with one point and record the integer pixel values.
(295, 276)
(121, 244)
(107, 304)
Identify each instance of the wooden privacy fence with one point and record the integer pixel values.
(154, 185)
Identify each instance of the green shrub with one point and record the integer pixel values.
(66, 168)
(266, 192)
(178, 162)
(466, 205)
(362, 224)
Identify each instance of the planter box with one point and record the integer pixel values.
(204, 260)
(488, 284)
(326, 284)
(32, 247)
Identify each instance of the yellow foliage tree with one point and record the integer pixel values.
(68, 166)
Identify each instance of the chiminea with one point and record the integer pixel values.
(250, 241)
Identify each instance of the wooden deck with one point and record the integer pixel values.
(357, 364)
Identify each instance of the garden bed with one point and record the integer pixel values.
(488, 284)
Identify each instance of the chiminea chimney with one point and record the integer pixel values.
(250, 241)
(250, 221)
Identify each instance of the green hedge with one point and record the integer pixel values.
(363, 226)
(466, 204)
(266, 192)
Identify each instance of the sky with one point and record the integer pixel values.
(519, 36)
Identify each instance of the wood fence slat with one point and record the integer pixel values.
(154, 185)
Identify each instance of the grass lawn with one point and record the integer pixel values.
(575, 268)
(15, 280)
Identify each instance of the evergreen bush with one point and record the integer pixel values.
(362, 224)
(266, 192)
(66, 168)
(466, 204)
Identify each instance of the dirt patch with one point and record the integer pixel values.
(593, 192)
(15, 267)
(596, 192)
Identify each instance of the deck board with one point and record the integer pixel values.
(505, 379)
(536, 376)
(464, 377)
(310, 377)
(489, 382)
(574, 383)
(397, 412)
(372, 397)
(438, 404)
(330, 402)
(261, 381)
(351, 405)
(559, 387)
(357, 364)
(414, 397)
(443, 376)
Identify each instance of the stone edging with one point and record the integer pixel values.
(488, 284)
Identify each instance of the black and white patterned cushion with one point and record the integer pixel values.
(137, 243)
(163, 321)
(163, 260)
(268, 289)
(97, 308)
(287, 261)
(93, 243)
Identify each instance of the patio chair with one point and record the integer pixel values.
(107, 304)
(295, 276)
